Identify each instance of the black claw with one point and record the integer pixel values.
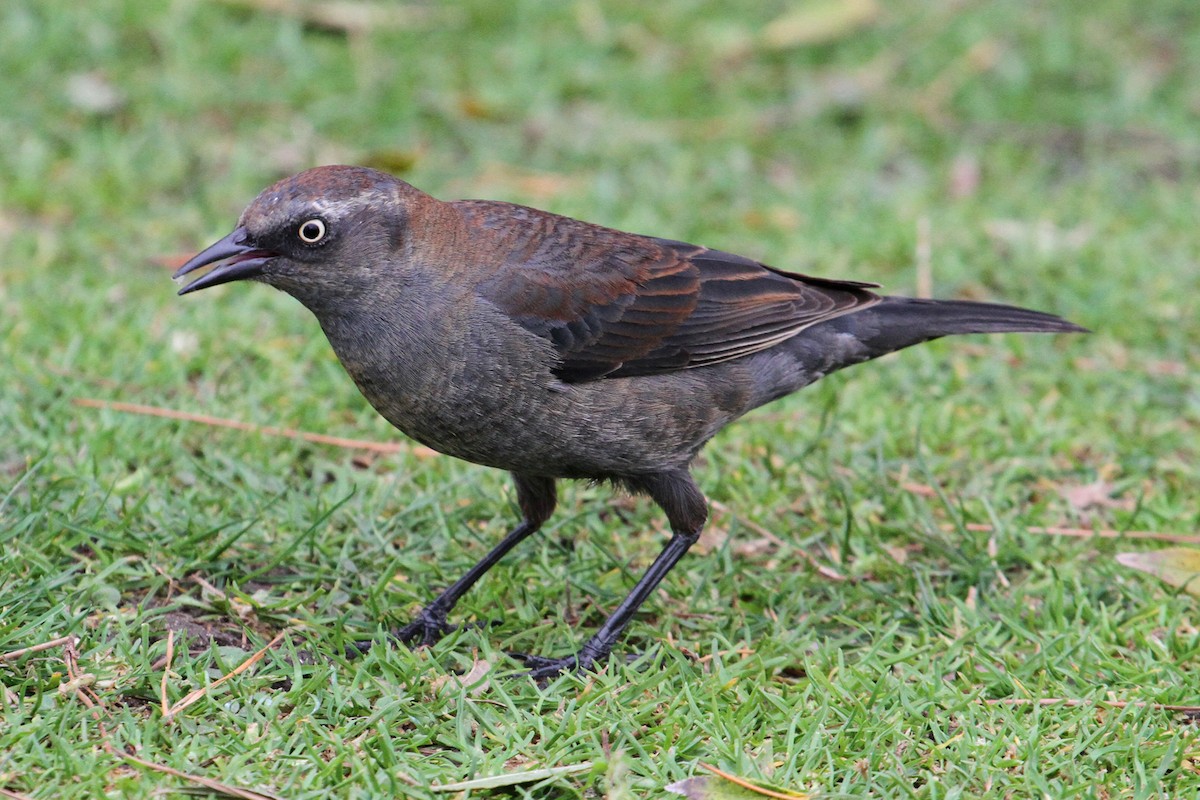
(542, 668)
(424, 630)
(477, 625)
(554, 668)
(356, 649)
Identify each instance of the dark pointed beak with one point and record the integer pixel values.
(241, 260)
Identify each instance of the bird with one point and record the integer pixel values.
(554, 348)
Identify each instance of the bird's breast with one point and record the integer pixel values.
(464, 384)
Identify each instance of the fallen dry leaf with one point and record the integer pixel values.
(1178, 566)
(1097, 494)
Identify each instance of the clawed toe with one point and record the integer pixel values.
(426, 629)
(356, 649)
(429, 626)
(542, 668)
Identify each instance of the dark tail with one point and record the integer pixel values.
(891, 324)
(905, 321)
(898, 322)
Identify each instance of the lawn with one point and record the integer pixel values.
(884, 605)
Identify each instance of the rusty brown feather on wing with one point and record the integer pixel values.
(616, 304)
(601, 297)
(745, 306)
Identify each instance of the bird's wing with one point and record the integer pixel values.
(615, 304)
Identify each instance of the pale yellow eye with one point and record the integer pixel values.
(312, 231)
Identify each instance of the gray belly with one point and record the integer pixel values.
(525, 420)
(492, 399)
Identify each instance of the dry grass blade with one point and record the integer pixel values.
(745, 784)
(512, 778)
(14, 654)
(162, 687)
(208, 783)
(14, 795)
(743, 652)
(195, 695)
(100, 714)
(342, 16)
(1088, 533)
(290, 433)
(1074, 702)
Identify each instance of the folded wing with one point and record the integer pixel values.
(615, 304)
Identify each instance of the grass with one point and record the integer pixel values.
(1052, 150)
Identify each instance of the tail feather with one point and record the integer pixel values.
(891, 324)
(898, 322)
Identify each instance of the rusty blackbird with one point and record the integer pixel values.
(554, 348)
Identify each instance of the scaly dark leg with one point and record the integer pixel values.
(536, 498)
(677, 495)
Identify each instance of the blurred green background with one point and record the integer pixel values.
(1039, 153)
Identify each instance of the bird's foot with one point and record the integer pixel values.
(542, 668)
(356, 649)
(428, 626)
(425, 630)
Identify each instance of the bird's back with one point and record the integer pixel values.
(616, 304)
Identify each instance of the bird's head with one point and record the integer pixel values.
(319, 235)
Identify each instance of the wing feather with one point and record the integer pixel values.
(616, 304)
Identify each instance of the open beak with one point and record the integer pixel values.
(241, 260)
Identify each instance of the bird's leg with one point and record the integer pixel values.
(536, 498)
(430, 623)
(686, 510)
